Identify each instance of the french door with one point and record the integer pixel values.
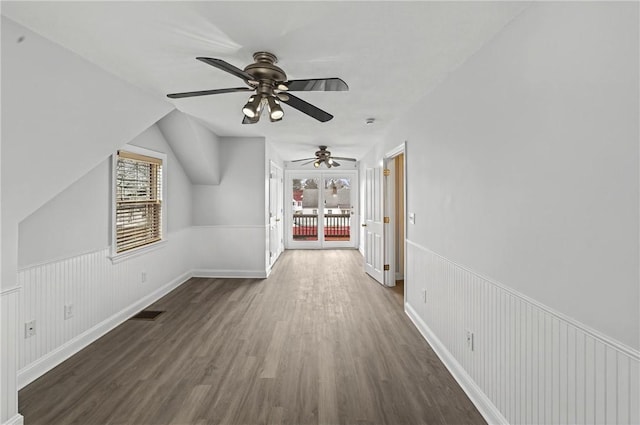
(321, 209)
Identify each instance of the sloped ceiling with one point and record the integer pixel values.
(390, 53)
(196, 147)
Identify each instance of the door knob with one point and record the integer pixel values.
(277, 219)
(364, 224)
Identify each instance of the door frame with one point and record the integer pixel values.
(276, 220)
(288, 213)
(390, 211)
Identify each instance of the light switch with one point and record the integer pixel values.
(412, 218)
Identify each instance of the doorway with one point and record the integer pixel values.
(321, 212)
(384, 220)
(394, 205)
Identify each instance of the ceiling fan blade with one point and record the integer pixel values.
(308, 162)
(303, 159)
(226, 66)
(344, 159)
(207, 92)
(317, 84)
(307, 108)
(247, 120)
(335, 164)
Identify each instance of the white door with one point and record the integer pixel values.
(373, 224)
(275, 213)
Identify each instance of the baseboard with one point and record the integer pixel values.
(47, 362)
(484, 405)
(18, 419)
(256, 274)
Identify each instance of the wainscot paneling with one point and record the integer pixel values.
(103, 295)
(524, 363)
(10, 335)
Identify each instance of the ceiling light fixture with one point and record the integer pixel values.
(275, 110)
(252, 107)
(256, 103)
(316, 164)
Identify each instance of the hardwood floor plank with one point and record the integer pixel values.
(318, 342)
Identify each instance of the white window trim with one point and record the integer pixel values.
(122, 256)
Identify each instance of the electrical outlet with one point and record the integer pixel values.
(470, 340)
(143, 276)
(30, 329)
(424, 295)
(68, 311)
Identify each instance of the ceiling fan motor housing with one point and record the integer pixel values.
(323, 152)
(265, 73)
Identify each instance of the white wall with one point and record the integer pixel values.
(73, 268)
(78, 221)
(229, 218)
(523, 177)
(61, 117)
(72, 223)
(239, 198)
(197, 148)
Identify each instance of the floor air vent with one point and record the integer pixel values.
(147, 315)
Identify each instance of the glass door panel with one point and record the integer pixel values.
(321, 213)
(337, 209)
(306, 199)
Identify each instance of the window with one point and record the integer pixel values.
(138, 201)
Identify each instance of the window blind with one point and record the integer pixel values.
(138, 200)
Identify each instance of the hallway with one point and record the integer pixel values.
(318, 342)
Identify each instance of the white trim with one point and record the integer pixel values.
(210, 273)
(18, 419)
(136, 252)
(617, 345)
(50, 360)
(396, 151)
(10, 290)
(484, 405)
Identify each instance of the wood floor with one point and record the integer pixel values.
(318, 342)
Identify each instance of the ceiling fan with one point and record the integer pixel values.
(324, 156)
(270, 84)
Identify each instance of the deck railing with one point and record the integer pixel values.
(336, 226)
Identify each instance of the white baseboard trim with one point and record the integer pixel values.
(484, 405)
(47, 362)
(18, 419)
(257, 274)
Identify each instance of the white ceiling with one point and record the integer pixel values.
(391, 54)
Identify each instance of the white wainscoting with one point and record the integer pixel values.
(10, 335)
(530, 364)
(103, 295)
(230, 251)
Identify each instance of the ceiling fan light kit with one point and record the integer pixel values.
(270, 83)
